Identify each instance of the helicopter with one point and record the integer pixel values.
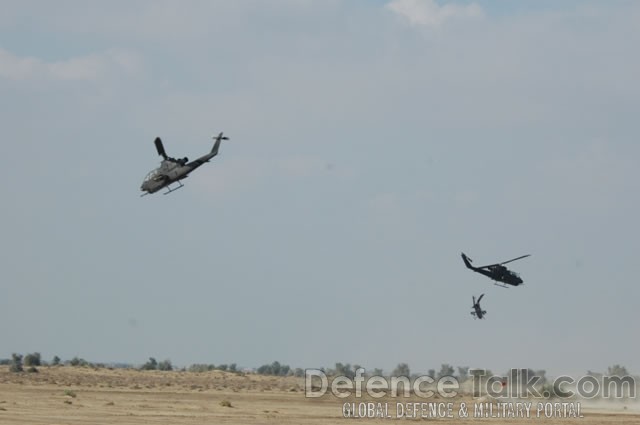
(497, 272)
(478, 312)
(172, 170)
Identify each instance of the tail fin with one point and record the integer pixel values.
(467, 261)
(216, 145)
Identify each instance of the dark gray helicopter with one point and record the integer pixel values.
(497, 272)
(478, 312)
(173, 170)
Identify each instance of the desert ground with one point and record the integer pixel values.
(84, 395)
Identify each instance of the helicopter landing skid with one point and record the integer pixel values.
(169, 190)
(502, 286)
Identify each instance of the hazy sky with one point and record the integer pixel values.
(371, 143)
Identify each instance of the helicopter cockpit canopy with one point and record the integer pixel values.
(152, 175)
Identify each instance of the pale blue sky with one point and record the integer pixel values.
(371, 143)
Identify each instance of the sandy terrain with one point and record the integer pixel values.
(78, 395)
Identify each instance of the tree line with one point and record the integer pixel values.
(31, 361)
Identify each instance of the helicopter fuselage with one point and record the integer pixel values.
(479, 312)
(173, 170)
(500, 274)
(496, 272)
(170, 171)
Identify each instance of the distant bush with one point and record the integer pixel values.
(32, 359)
(165, 365)
(225, 403)
(222, 367)
(274, 368)
(446, 370)
(5, 362)
(344, 370)
(16, 363)
(463, 373)
(76, 361)
(377, 372)
(401, 370)
(151, 364)
(32, 369)
(201, 367)
(617, 370)
(55, 361)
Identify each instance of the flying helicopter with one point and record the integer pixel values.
(478, 312)
(172, 170)
(497, 272)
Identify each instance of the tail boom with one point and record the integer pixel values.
(467, 261)
(219, 138)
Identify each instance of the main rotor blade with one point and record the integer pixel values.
(487, 266)
(524, 256)
(480, 298)
(160, 148)
(474, 299)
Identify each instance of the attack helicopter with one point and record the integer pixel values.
(498, 272)
(478, 312)
(172, 170)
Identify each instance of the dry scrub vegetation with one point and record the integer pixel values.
(86, 395)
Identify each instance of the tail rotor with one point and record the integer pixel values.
(219, 137)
